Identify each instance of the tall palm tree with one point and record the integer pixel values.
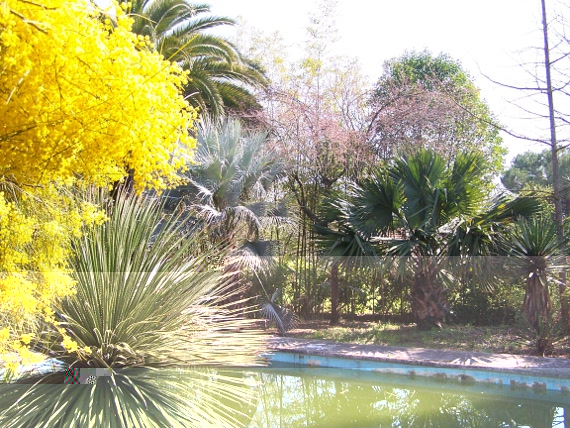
(422, 209)
(220, 77)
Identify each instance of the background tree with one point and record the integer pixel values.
(532, 171)
(313, 110)
(430, 102)
(221, 79)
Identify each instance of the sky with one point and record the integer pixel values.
(489, 37)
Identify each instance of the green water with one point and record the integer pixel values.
(297, 397)
(275, 397)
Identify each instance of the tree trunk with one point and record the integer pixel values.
(556, 182)
(335, 317)
(536, 300)
(125, 187)
(428, 298)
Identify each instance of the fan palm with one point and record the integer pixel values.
(220, 77)
(534, 245)
(229, 192)
(422, 209)
(229, 186)
(342, 245)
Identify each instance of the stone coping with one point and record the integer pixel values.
(506, 363)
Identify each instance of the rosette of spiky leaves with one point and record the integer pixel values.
(145, 298)
(537, 256)
(132, 398)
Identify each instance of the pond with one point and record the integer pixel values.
(278, 396)
(320, 397)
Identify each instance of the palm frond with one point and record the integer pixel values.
(220, 76)
(253, 256)
(283, 318)
(377, 205)
(235, 174)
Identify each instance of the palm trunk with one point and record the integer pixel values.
(428, 297)
(125, 187)
(536, 300)
(335, 317)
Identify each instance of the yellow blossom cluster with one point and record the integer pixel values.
(34, 245)
(81, 99)
(84, 96)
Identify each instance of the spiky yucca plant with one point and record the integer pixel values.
(538, 257)
(144, 299)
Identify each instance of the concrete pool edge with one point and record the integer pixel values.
(503, 369)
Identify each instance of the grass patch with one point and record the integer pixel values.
(495, 339)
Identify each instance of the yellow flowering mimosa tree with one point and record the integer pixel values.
(82, 100)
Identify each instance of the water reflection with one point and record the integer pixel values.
(145, 398)
(327, 398)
